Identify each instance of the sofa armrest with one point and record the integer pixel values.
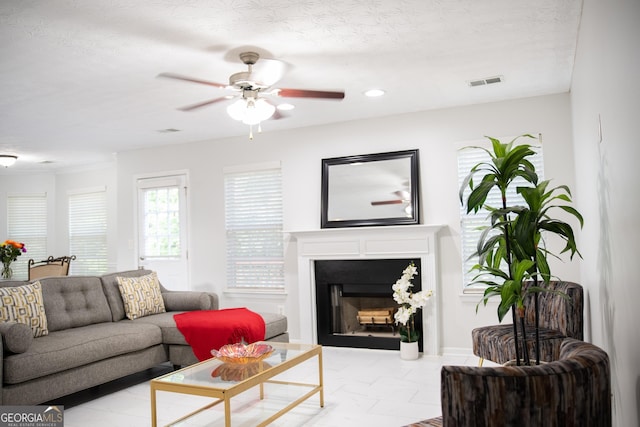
(16, 337)
(189, 300)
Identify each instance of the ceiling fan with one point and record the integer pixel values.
(250, 107)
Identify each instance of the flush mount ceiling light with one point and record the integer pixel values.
(7, 160)
(373, 93)
(285, 107)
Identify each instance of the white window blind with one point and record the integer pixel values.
(253, 220)
(88, 232)
(27, 223)
(471, 223)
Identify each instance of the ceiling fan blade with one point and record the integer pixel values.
(268, 71)
(302, 93)
(192, 80)
(387, 202)
(203, 104)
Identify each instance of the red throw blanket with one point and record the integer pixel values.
(206, 330)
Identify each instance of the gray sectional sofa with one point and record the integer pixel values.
(91, 342)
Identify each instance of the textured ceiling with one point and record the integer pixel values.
(78, 77)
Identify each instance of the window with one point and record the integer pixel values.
(88, 231)
(471, 223)
(27, 223)
(253, 221)
(161, 222)
(163, 228)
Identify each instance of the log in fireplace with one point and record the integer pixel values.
(354, 302)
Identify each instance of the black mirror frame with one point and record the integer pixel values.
(365, 222)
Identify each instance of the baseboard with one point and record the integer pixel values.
(457, 351)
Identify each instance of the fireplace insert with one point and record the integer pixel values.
(354, 302)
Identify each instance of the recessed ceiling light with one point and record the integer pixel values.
(285, 107)
(372, 93)
(169, 130)
(7, 160)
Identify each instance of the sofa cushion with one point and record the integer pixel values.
(24, 304)
(275, 324)
(71, 348)
(16, 337)
(164, 321)
(112, 292)
(141, 295)
(74, 301)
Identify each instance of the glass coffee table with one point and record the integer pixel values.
(222, 381)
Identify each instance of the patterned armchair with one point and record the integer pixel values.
(574, 391)
(560, 318)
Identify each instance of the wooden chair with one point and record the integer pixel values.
(50, 267)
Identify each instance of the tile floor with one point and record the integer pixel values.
(362, 388)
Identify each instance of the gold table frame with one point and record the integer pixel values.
(176, 382)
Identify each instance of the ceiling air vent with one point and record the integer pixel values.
(485, 81)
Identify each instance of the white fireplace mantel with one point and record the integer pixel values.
(388, 242)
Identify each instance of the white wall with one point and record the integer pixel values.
(606, 85)
(57, 188)
(96, 178)
(435, 133)
(28, 184)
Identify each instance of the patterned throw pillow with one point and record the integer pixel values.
(141, 295)
(23, 304)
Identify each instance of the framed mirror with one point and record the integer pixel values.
(370, 189)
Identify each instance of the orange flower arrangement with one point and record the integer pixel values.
(10, 250)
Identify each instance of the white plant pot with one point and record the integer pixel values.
(408, 350)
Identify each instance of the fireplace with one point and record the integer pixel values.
(401, 244)
(354, 302)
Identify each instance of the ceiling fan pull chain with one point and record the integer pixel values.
(251, 132)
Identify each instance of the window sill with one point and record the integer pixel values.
(256, 293)
(475, 296)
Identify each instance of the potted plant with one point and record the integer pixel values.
(410, 302)
(512, 257)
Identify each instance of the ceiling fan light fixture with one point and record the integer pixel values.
(408, 211)
(257, 110)
(251, 111)
(7, 160)
(236, 110)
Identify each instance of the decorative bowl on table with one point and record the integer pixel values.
(238, 372)
(242, 353)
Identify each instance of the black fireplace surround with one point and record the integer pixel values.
(345, 286)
